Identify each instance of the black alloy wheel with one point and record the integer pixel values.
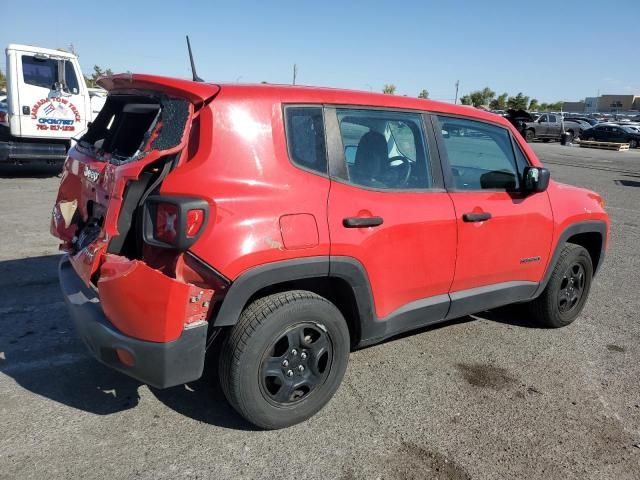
(296, 364)
(571, 288)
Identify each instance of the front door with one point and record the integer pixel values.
(543, 126)
(51, 97)
(554, 127)
(388, 210)
(504, 236)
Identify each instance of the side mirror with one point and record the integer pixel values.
(535, 179)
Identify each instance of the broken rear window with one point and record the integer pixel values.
(126, 123)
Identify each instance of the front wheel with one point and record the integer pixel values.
(284, 359)
(567, 290)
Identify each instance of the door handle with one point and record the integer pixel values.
(362, 222)
(476, 217)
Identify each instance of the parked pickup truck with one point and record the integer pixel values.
(549, 126)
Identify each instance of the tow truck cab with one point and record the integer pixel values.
(48, 104)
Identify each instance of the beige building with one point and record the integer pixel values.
(618, 103)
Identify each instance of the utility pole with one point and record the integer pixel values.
(295, 73)
(457, 85)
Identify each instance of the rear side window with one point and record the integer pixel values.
(480, 155)
(305, 138)
(385, 149)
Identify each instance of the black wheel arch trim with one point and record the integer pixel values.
(257, 278)
(371, 329)
(588, 226)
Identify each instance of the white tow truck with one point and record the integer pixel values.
(48, 105)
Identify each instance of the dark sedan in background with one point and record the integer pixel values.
(606, 132)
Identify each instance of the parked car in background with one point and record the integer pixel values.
(610, 132)
(4, 117)
(591, 121)
(549, 126)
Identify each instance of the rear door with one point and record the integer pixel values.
(504, 236)
(388, 209)
(51, 96)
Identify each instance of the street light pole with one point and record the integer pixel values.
(455, 101)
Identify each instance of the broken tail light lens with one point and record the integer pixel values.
(174, 222)
(166, 222)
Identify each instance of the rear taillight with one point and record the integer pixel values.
(3, 116)
(166, 222)
(174, 222)
(195, 219)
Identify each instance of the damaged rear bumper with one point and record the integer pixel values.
(159, 364)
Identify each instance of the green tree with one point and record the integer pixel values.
(478, 98)
(466, 100)
(97, 73)
(3, 80)
(499, 103)
(389, 89)
(423, 94)
(519, 102)
(533, 105)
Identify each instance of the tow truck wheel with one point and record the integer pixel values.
(284, 359)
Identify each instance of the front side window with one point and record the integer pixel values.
(480, 155)
(305, 137)
(543, 119)
(384, 149)
(552, 119)
(43, 72)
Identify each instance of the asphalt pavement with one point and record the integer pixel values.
(483, 397)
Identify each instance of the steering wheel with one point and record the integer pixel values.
(396, 171)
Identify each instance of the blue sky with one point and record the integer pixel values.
(548, 50)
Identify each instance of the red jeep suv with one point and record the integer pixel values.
(283, 226)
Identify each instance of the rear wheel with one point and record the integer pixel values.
(529, 136)
(284, 359)
(566, 293)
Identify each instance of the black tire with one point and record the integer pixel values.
(591, 139)
(253, 375)
(633, 143)
(564, 296)
(529, 136)
(570, 136)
